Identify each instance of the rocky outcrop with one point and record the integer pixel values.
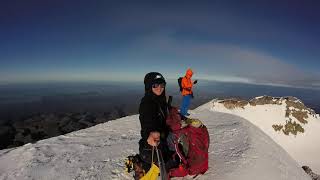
(294, 106)
(313, 175)
(262, 100)
(234, 103)
(296, 113)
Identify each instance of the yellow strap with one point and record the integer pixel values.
(152, 174)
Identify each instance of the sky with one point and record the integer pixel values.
(259, 42)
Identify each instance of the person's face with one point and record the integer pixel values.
(157, 89)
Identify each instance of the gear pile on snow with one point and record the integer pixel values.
(190, 142)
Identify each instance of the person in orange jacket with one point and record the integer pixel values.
(187, 93)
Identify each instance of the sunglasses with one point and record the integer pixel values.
(162, 85)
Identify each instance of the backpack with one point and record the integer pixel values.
(191, 144)
(179, 82)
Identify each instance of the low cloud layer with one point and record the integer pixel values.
(225, 62)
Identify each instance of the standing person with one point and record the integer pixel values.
(187, 93)
(153, 112)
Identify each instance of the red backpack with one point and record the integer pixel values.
(191, 144)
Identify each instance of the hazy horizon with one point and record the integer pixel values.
(56, 97)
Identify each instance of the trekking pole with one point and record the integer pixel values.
(163, 173)
(152, 154)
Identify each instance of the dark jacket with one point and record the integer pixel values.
(153, 111)
(152, 114)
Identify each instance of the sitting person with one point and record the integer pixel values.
(153, 112)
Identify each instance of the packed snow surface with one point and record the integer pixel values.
(238, 150)
(303, 147)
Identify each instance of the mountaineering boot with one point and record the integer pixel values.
(134, 163)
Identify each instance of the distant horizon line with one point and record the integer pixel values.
(171, 80)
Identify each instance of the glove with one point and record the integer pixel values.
(195, 82)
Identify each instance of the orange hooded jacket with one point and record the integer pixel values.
(186, 83)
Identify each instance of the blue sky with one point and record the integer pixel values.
(259, 42)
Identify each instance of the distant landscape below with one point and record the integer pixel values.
(31, 112)
(22, 100)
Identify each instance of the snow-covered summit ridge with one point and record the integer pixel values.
(238, 150)
(295, 114)
(286, 120)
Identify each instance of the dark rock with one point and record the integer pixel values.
(234, 103)
(264, 100)
(313, 175)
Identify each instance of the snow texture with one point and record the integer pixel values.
(302, 147)
(238, 150)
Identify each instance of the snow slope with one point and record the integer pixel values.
(303, 147)
(238, 150)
